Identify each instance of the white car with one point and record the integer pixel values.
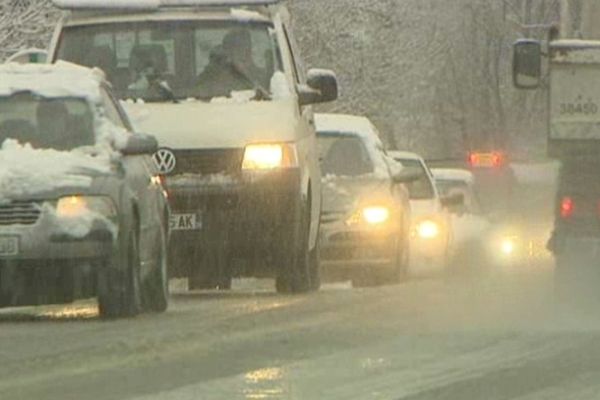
(366, 211)
(431, 233)
(475, 244)
(223, 88)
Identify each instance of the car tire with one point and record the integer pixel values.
(156, 296)
(119, 292)
(294, 276)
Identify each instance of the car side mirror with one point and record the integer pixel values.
(321, 87)
(139, 143)
(453, 201)
(406, 176)
(527, 64)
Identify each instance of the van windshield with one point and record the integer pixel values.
(193, 59)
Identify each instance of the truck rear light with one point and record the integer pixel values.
(567, 207)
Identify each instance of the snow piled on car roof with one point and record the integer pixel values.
(51, 80)
(25, 171)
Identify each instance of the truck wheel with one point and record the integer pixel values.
(119, 293)
(156, 297)
(294, 276)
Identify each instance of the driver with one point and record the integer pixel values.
(231, 66)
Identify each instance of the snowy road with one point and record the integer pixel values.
(494, 338)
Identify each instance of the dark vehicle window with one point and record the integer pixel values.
(54, 123)
(197, 59)
(421, 189)
(344, 156)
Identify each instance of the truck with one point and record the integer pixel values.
(568, 66)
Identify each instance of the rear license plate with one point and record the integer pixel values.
(9, 246)
(185, 222)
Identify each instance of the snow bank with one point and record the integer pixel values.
(25, 171)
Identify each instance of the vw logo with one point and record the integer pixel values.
(165, 161)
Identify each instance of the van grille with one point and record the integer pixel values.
(19, 213)
(207, 162)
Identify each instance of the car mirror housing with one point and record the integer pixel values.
(321, 87)
(139, 143)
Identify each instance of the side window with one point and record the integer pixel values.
(112, 111)
(294, 54)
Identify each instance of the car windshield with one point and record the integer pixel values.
(344, 155)
(157, 61)
(421, 189)
(52, 123)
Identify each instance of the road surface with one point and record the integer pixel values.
(475, 338)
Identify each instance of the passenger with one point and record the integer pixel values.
(231, 67)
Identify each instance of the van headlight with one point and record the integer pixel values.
(428, 229)
(269, 156)
(77, 206)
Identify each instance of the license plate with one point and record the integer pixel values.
(9, 246)
(185, 222)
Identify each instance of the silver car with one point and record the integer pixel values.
(366, 211)
(82, 213)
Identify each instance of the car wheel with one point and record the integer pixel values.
(294, 276)
(119, 293)
(156, 298)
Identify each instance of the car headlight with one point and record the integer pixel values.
(508, 246)
(428, 229)
(77, 206)
(269, 156)
(376, 215)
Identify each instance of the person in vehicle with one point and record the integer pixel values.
(231, 65)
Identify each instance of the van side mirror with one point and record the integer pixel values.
(527, 64)
(139, 143)
(321, 87)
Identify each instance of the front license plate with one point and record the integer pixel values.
(185, 222)
(9, 246)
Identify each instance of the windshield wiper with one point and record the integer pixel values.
(164, 90)
(261, 93)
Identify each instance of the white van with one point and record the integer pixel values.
(222, 87)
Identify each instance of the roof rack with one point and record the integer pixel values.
(154, 4)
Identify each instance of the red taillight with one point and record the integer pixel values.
(567, 206)
(486, 160)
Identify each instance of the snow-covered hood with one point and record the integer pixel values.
(27, 173)
(345, 194)
(196, 124)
